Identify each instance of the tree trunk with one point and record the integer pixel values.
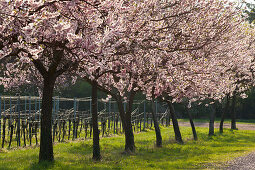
(127, 126)
(233, 112)
(211, 123)
(224, 113)
(125, 119)
(129, 135)
(96, 146)
(46, 147)
(122, 112)
(178, 136)
(192, 124)
(156, 126)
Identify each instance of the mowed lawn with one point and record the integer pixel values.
(206, 152)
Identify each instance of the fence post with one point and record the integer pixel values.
(35, 108)
(29, 107)
(18, 142)
(35, 122)
(30, 130)
(90, 107)
(25, 106)
(144, 114)
(0, 114)
(157, 118)
(4, 108)
(57, 104)
(78, 120)
(109, 114)
(10, 107)
(39, 108)
(74, 124)
(114, 119)
(4, 121)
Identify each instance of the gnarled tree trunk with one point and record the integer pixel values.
(129, 135)
(192, 124)
(211, 123)
(233, 112)
(46, 147)
(156, 126)
(96, 146)
(130, 141)
(224, 113)
(178, 136)
(127, 125)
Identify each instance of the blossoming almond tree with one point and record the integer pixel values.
(42, 42)
(181, 48)
(202, 71)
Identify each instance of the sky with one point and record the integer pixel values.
(250, 1)
(242, 0)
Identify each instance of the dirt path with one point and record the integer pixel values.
(242, 163)
(216, 125)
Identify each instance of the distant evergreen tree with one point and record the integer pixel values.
(250, 10)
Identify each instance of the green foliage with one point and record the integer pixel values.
(193, 154)
(250, 11)
(79, 89)
(246, 106)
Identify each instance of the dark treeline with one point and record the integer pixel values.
(244, 108)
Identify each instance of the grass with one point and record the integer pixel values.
(205, 152)
(217, 120)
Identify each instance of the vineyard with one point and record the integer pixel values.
(20, 119)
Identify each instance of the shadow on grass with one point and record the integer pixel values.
(192, 154)
(42, 165)
(171, 154)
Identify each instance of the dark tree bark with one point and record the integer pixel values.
(49, 78)
(124, 115)
(24, 131)
(224, 113)
(192, 124)
(130, 142)
(129, 135)
(178, 136)
(69, 129)
(156, 126)
(4, 124)
(64, 130)
(233, 112)
(211, 123)
(18, 124)
(46, 147)
(126, 123)
(36, 140)
(96, 146)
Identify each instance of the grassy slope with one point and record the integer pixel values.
(193, 154)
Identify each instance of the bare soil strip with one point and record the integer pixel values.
(216, 125)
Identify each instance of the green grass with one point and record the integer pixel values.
(193, 154)
(217, 120)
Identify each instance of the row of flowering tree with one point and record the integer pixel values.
(167, 49)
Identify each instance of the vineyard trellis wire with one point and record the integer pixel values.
(71, 119)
